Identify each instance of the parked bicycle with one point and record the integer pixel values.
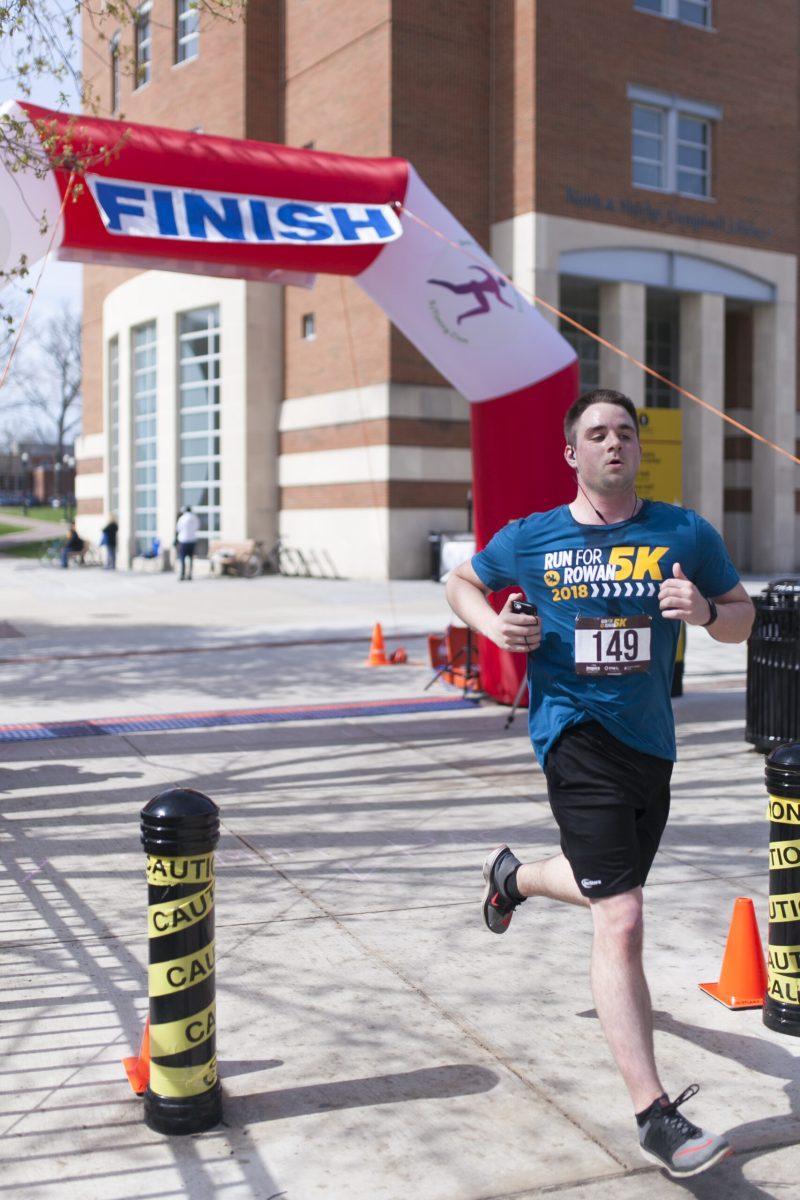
(88, 557)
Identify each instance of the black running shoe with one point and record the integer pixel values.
(668, 1139)
(498, 906)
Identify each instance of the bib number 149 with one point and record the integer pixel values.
(612, 645)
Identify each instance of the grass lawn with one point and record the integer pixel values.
(4, 528)
(26, 549)
(38, 512)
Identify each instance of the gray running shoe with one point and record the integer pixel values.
(498, 907)
(670, 1141)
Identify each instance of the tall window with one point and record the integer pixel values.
(187, 30)
(580, 299)
(145, 445)
(143, 37)
(199, 405)
(114, 48)
(113, 424)
(661, 348)
(692, 166)
(690, 12)
(671, 143)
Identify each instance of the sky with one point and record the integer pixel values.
(61, 282)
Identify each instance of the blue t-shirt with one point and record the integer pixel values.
(574, 572)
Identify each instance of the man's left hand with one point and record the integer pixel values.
(680, 600)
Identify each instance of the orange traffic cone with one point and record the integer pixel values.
(138, 1068)
(377, 650)
(743, 979)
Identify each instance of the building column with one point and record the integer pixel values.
(774, 386)
(515, 247)
(622, 322)
(702, 371)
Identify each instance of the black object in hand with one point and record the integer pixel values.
(525, 607)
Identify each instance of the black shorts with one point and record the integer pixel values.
(611, 804)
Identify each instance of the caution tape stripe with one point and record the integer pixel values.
(177, 974)
(783, 855)
(174, 916)
(783, 988)
(785, 907)
(183, 1081)
(174, 1007)
(168, 872)
(784, 960)
(190, 1031)
(783, 811)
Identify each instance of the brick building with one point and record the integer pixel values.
(633, 163)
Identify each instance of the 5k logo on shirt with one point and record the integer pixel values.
(568, 573)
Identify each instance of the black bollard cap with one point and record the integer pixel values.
(178, 822)
(782, 770)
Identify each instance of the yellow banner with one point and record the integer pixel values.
(784, 988)
(785, 812)
(172, 871)
(785, 907)
(183, 1081)
(174, 1036)
(784, 854)
(783, 960)
(661, 471)
(177, 974)
(179, 914)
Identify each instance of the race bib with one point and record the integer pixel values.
(612, 645)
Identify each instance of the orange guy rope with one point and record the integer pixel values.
(23, 322)
(610, 345)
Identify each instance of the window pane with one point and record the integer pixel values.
(144, 430)
(696, 12)
(199, 404)
(648, 120)
(581, 301)
(648, 174)
(692, 129)
(187, 30)
(662, 348)
(646, 147)
(113, 423)
(143, 45)
(694, 185)
(654, 6)
(199, 320)
(689, 157)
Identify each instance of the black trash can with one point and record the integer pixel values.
(435, 545)
(773, 667)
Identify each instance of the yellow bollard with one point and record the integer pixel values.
(180, 829)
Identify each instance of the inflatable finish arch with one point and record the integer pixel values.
(170, 200)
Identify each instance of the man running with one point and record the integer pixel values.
(612, 576)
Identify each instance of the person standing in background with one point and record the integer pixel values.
(186, 533)
(109, 540)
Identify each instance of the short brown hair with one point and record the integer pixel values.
(597, 396)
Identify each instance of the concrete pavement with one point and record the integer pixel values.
(374, 1039)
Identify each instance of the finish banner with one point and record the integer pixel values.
(168, 199)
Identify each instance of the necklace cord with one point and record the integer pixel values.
(597, 510)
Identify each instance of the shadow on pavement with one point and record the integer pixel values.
(428, 1083)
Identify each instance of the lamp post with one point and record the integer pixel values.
(57, 483)
(25, 459)
(69, 463)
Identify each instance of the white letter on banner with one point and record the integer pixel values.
(134, 209)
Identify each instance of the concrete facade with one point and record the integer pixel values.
(359, 446)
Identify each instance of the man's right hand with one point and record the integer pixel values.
(516, 632)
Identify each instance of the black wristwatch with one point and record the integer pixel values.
(712, 609)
